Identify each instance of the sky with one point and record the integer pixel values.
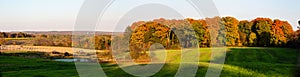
(61, 15)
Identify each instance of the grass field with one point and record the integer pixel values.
(21, 48)
(7, 39)
(243, 62)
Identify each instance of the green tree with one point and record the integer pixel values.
(252, 39)
(244, 32)
(262, 28)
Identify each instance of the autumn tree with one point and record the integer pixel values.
(245, 32)
(278, 36)
(40, 40)
(3, 35)
(294, 40)
(2, 41)
(121, 42)
(146, 35)
(287, 29)
(252, 39)
(231, 29)
(210, 32)
(262, 28)
(214, 27)
(201, 31)
(99, 43)
(181, 34)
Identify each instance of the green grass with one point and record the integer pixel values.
(32, 67)
(243, 62)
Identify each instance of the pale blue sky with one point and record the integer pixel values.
(53, 15)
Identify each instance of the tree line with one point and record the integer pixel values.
(15, 35)
(217, 31)
(99, 42)
(208, 32)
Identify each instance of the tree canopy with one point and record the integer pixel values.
(259, 32)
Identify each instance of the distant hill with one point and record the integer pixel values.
(72, 32)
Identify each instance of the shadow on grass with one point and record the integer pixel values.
(0, 74)
(269, 61)
(265, 55)
(170, 70)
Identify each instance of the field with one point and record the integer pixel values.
(15, 48)
(244, 62)
(7, 39)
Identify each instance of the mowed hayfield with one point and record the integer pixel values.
(243, 62)
(22, 48)
(7, 39)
